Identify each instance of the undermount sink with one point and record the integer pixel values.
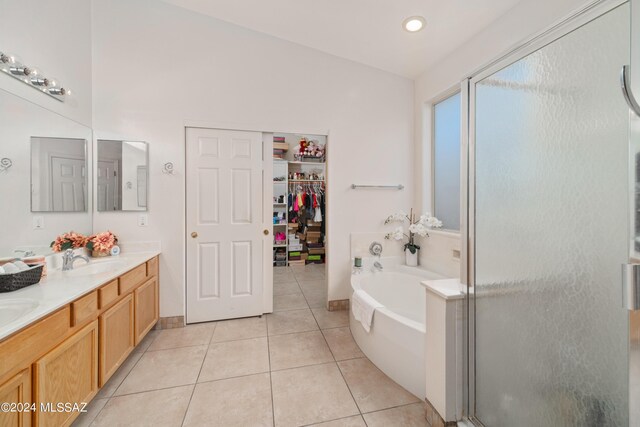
(81, 268)
(13, 309)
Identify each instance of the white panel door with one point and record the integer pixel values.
(225, 223)
(68, 184)
(108, 198)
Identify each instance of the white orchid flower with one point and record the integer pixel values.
(396, 217)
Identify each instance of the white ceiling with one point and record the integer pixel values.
(366, 31)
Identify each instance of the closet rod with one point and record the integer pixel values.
(393, 187)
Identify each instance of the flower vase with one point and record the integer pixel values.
(98, 254)
(411, 259)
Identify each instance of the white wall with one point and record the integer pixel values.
(168, 66)
(55, 38)
(521, 22)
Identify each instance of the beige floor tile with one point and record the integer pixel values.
(356, 421)
(146, 341)
(331, 319)
(153, 408)
(306, 276)
(190, 335)
(406, 416)
(289, 302)
(342, 344)
(295, 350)
(286, 322)
(310, 395)
(164, 368)
(240, 329)
(312, 285)
(316, 298)
(242, 401)
(286, 288)
(235, 358)
(371, 388)
(93, 409)
(116, 379)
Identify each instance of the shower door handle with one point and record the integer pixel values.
(626, 91)
(631, 286)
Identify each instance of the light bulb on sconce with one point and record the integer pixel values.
(57, 91)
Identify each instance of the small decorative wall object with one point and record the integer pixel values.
(5, 164)
(167, 168)
(417, 227)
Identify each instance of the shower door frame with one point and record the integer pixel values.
(561, 28)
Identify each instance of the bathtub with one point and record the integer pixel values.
(397, 338)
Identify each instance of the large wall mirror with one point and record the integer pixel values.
(58, 174)
(122, 175)
(46, 190)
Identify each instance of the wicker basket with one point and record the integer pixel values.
(21, 279)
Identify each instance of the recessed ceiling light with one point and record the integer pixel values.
(413, 23)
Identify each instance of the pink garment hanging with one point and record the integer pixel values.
(296, 206)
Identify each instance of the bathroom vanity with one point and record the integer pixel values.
(69, 335)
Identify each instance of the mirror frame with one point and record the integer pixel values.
(95, 174)
(86, 177)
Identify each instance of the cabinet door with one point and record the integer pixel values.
(16, 390)
(146, 298)
(67, 374)
(116, 337)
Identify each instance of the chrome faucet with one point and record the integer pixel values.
(377, 266)
(68, 258)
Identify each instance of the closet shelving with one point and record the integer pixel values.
(295, 244)
(280, 253)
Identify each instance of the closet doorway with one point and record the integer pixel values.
(299, 222)
(226, 224)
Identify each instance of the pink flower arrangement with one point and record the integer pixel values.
(70, 240)
(102, 242)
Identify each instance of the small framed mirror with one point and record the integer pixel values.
(122, 175)
(58, 174)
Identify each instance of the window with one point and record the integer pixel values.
(446, 162)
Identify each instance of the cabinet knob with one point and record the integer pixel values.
(194, 234)
(266, 232)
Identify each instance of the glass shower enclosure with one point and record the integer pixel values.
(549, 215)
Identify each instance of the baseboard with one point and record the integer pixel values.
(170, 322)
(339, 305)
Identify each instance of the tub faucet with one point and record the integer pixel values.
(377, 266)
(68, 258)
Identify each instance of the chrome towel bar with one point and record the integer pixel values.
(392, 187)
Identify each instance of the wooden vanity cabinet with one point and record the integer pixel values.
(68, 355)
(16, 390)
(68, 373)
(117, 337)
(146, 302)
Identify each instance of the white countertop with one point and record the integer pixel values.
(448, 289)
(62, 287)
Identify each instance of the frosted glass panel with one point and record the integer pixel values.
(551, 233)
(446, 162)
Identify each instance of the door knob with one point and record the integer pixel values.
(194, 234)
(266, 232)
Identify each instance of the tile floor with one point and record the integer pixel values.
(298, 366)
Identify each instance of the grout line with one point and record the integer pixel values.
(206, 353)
(349, 388)
(153, 389)
(273, 406)
(334, 419)
(393, 407)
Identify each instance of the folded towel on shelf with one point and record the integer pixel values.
(362, 308)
